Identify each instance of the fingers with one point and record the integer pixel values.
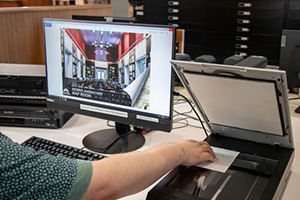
(196, 152)
(205, 156)
(207, 148)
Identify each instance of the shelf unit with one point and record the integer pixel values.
(223, 28)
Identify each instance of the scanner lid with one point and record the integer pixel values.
(240, 102)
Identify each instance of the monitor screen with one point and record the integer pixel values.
(115, 71)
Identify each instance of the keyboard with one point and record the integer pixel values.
(55, 148)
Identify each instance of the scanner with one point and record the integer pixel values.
(246, 109)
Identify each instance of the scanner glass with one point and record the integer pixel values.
(248, 176)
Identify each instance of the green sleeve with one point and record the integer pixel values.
(82, 180)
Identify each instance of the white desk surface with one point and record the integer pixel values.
(78, 126)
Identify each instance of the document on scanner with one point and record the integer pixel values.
(224, 158)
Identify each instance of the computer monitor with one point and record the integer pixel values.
(104, 18)
(115, 71)
(289, 57)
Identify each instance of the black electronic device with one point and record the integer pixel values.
(205, 58)
(22, 84)
(115, 71)
(16, 86)
(289, 56)
(290, 59)
(33, 116)
(183, 56)
(136, 2)
(297, 110)
(56, 148)
(254, 61)
(232, 60)
(104, 18)
(225, 29)
(23, 94)
(261, 133)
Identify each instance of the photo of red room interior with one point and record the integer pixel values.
(108, 66)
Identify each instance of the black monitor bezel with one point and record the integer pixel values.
(290, 42)
(74, 106)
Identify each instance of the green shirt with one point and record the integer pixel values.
(29, 174)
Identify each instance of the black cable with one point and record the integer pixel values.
(186, 115)
(295, 98)
(114, 141)
(184, 124)
(296, 92)
(178, 94)
(109, 125)
(181, 101)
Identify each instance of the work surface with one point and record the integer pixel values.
(78, 126)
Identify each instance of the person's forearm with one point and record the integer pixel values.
(129, 173)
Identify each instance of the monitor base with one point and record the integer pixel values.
(108, 141)
(297, 110)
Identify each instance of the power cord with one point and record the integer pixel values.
(296, 92)
(178, 94)
(295, 98)
(185, 114)
(108, 124)
(185, 124)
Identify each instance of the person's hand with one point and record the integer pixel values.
(195, 152)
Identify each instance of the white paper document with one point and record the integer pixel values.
(224, 158)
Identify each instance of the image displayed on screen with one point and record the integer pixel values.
(116, 65)
(107, 66)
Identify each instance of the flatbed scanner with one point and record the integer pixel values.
(246, 110)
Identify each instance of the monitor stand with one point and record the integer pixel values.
(111, 141)
(297, 110)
